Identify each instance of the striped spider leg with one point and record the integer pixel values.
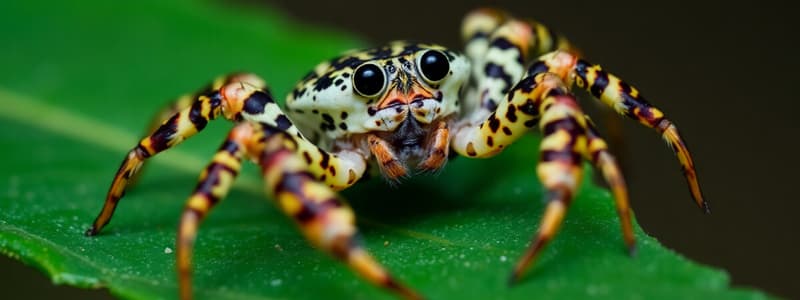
(506, 101)
(299, 176)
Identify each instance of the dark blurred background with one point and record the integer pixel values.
(722, 72)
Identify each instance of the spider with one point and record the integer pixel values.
(402, 108)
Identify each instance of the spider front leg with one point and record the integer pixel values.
(189, 118)
(237, 97)
(326, 221)
(541, 100)
(215, 182)
(186, 101)
(625, 100)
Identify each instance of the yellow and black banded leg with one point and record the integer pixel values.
(180, 126)
(625, 100)
(499, 46)
(215, 182)
(559, 169)
(185, 101)
(597, 152)
(326, 221)
(514, 116)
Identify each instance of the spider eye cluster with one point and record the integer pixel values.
(433, 65)
(369, 80)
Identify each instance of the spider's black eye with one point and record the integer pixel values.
(368, 80)
(434, 66)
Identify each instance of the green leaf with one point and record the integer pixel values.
(79, 84)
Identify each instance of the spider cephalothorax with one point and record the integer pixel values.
(390, 100)
(400, 106)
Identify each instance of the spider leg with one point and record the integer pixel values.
(185, 101)
(215, 182)
(597, 152)
(325, 220)
(180, 126)
(559, 169)
(498, 46)
(239, 97)
(480, 23)
(515, 115)
(625, 100)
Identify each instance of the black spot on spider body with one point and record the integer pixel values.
(494, 123)
(511, 113)
(371, 111)
(326, 127)
(327, 118)
(343, 115)
(323, 83)
(531, 123)
(600, 83)
(506, 131)
(489, 141)
(338, 82)
(537, 67)
(257, 102)
(493, 70)
(328, 123)
(502, 43)
(526, 85)
(282, 122)
(196, 116)
(307, 157)
(314, 111)
(297, 93)
(489, 104)
(332, 169)
(325, 159)
(439, 95)
(529, 108)
(342, 126)
(342, 62)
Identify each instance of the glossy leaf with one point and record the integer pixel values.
(79, 84)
